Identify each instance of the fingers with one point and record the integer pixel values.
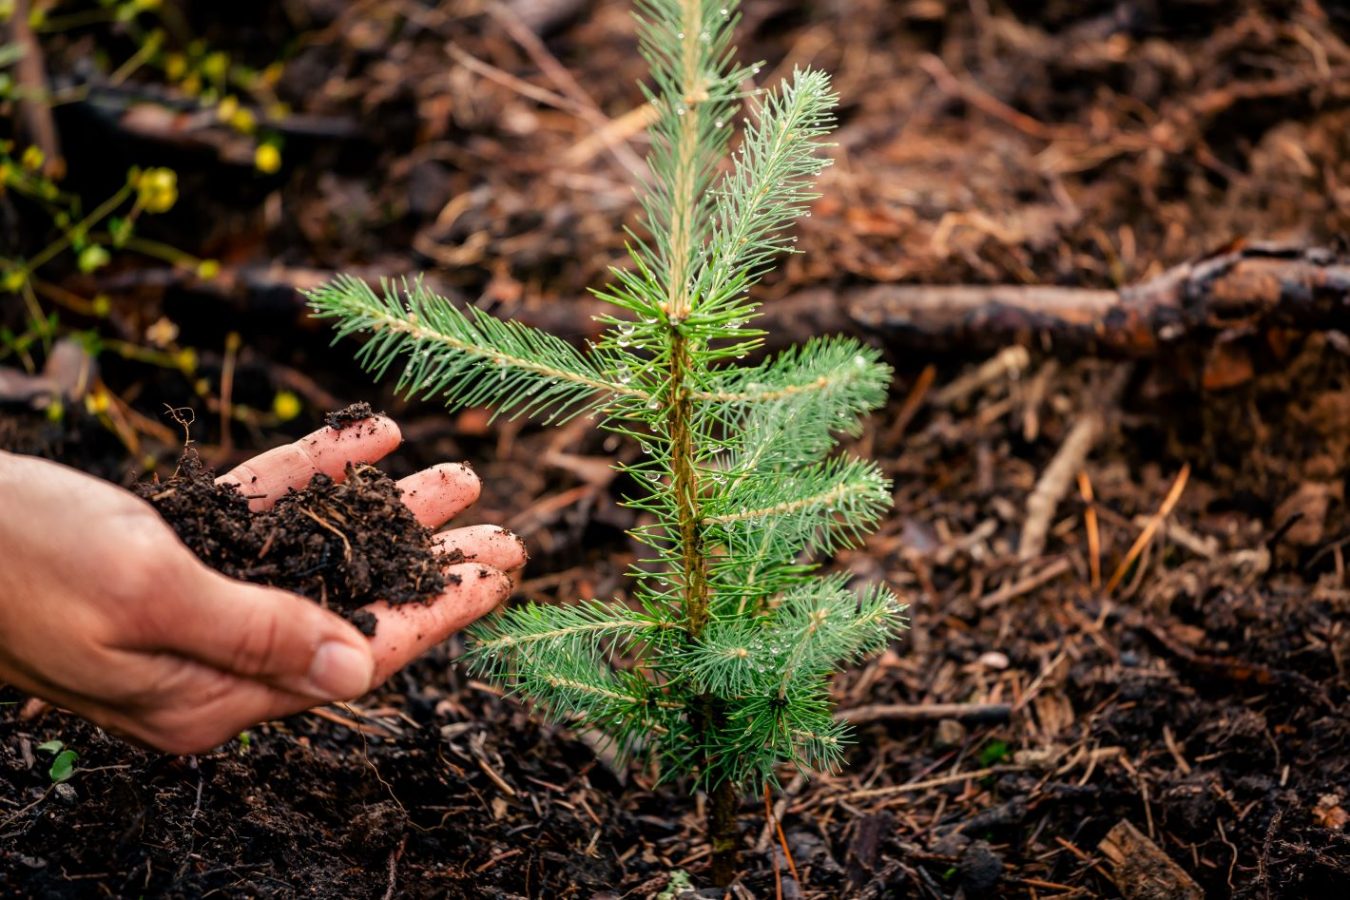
(438, 494)
(267, 476)
(406, 632)
(264, 634)
(192, 705)
(209, 708)
(486, 544)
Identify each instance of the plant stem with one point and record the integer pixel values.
(724, 834)
(722, 831)
(684, 483)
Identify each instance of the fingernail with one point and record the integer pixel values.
(339, 671)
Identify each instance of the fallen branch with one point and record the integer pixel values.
(1251, 286)
(1024, 585)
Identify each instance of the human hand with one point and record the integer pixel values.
(105, 612)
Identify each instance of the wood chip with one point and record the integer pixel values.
(1141, 871)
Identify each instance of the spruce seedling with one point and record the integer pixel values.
(719, 666)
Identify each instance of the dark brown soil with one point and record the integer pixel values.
(342, 544)
(348, 416)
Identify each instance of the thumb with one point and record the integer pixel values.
(269, 635)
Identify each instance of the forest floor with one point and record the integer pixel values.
(1172, 654)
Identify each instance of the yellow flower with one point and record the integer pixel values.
(33, 157)
(267, 158)
(228, 108)
(97, 401)
(208, 269)
(215, 66)
(157, 190)
(175, 66)
(13, 280)
(244, 121)
(286, 406)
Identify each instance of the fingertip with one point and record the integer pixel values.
(357, 443)
(406, 631)
(491, 544)
(340, 670)
(476, 586)
(329, 451)
(440, 492)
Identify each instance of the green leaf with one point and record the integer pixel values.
(993, 752)
(11, 53)
(532, 633)
(467, 357)
(92, 258)
(63, 766)
(50, 746)
(120, 229)
(769, 187)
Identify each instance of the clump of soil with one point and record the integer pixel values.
(342, 544)
(348, 416)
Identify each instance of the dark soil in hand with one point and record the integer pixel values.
(342, 544)
(348, 416)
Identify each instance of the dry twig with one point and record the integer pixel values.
(1058, 475)
(1170, 501)
(926, 712)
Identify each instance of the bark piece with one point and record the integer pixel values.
(1141, 871)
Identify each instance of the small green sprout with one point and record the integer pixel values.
(63, 760)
